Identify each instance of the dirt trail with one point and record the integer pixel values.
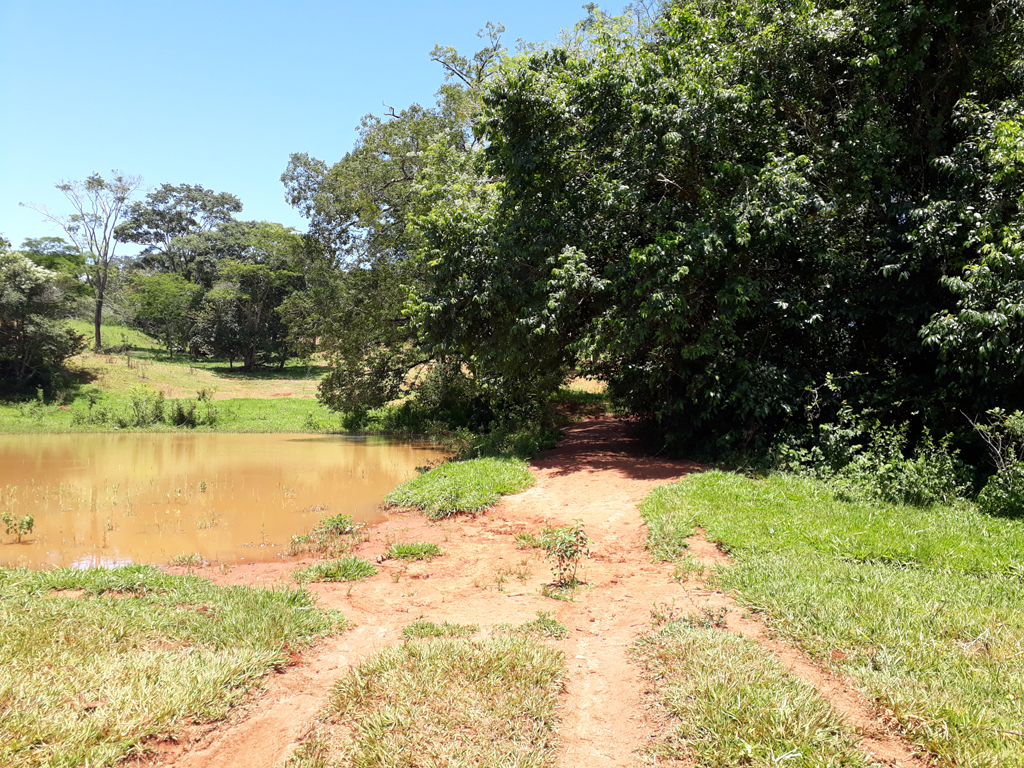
(598, 475)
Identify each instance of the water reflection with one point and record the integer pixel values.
(111, 499)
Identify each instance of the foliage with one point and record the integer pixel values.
(18, 527)
(920, 607)
(349, 568)
(462, 486)
(1003, 494)
(34, 344)
(59, 256)
(566, 546)
(716, 216)
(419, 550)
(239, 317)
(361, 212)
(166, 220)
(165, 305)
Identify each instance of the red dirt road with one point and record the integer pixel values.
(597, 474)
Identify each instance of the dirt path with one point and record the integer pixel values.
(598, 475)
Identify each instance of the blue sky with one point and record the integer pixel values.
(216, 93)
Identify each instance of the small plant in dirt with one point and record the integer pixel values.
(418, 550)
(346, 569)
(339, 525)
(191, 561)
(566, 547)
(331, 537)
(19, 527)
(423, 628)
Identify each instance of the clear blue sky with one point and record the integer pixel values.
(217, 93)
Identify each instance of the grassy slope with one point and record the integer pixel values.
(258, 401)
(92, 663)
(923, 608)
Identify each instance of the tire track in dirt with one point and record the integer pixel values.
(598, 475)
(876, 739)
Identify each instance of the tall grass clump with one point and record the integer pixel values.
(462, 486)
(921, 606)
(93, 663)
(349, 568)
(443, 700)
(733, 704)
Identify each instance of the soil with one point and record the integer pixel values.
(597, 474)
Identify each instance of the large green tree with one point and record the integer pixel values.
(753, 200)
(34, 343)
(169, 214)
(240, 316)
(362, 211)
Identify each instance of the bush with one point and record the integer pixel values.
(1004, 437)
(1003, 494)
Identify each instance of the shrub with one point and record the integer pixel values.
(567, 546)
(1004, 437)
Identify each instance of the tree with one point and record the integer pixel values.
(362, 212)
(240, 316)
(59, 256)
(98, 204)
(165, 305)
(170, 213)
(718, 217)
(33, 342)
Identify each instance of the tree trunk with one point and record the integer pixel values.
(97, 321)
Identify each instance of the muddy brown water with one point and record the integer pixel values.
(114, 499)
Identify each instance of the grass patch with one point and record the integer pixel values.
(462, 486)
(545, 626)
(735, 705)
(420, 550)
(349, 568)
(423, 628)
(94, 662)
(922, 608)
(443, 702)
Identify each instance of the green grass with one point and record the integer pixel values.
(349, 568)
(123, 339)
(462, 486)
(544, 626)
(237, 415)
(443, 702)
(94, 662)
(423, 628)
(733, 704)
(922, 608)
(420, 550)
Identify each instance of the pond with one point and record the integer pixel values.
(111, 499)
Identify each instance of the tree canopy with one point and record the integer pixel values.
(755, 199)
